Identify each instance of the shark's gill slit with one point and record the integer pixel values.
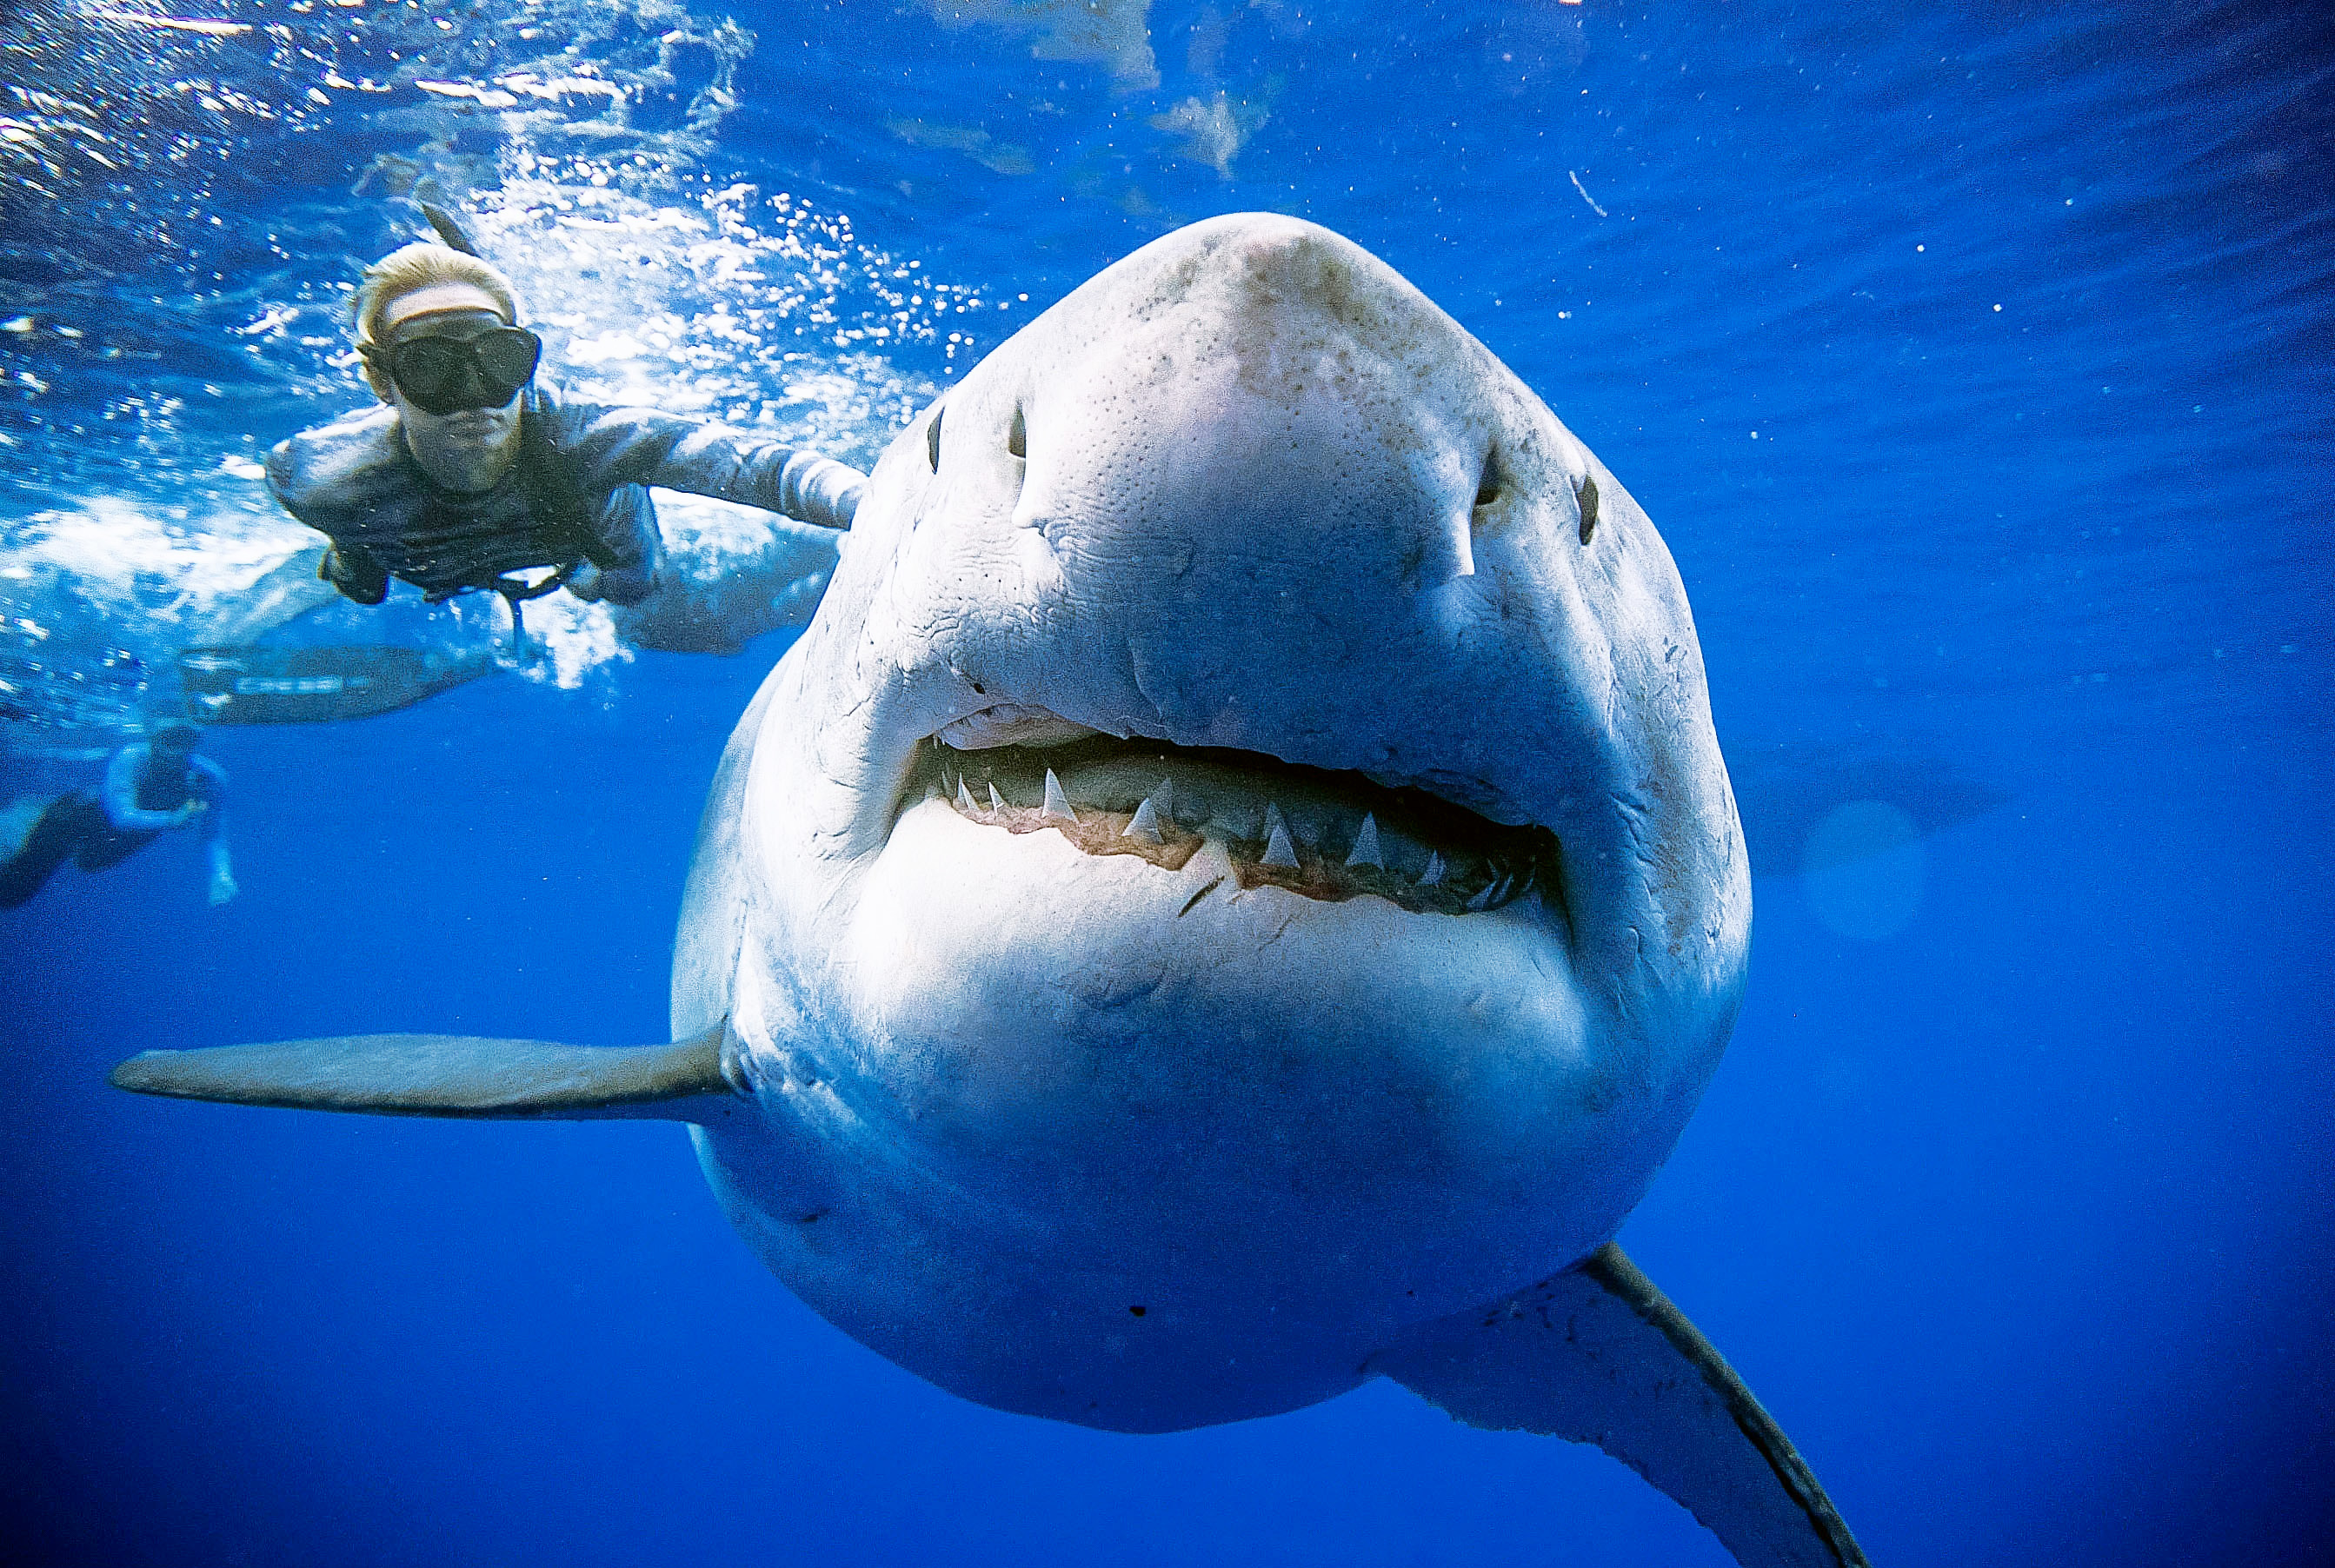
(932, 440)
(1325, 835)
(1588, 498)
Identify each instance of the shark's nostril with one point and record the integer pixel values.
(1487, 487)
(1016, 436)
(1588, 497)
(933, 441)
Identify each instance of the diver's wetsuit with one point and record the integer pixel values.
(576, 493)
(141, 802)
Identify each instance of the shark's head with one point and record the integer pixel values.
(1238, 866)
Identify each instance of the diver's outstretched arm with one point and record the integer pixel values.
(650, 447)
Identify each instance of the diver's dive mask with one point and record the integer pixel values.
(442, 376)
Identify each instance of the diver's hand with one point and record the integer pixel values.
(188, 812)
(223, 888)
(584, 582)
(362, 581)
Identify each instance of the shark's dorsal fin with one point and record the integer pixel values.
(456, 1076)
(1598, 1355)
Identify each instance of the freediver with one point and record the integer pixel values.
(476, 472)
(150, 788)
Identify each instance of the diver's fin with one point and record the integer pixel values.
(314, 685)
(456, 1076)
(449, 227)
(1598, 1355)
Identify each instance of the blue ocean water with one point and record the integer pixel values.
(1975, 362)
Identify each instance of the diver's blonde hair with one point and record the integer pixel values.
(410, 267)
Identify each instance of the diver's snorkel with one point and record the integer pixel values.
(450, 228)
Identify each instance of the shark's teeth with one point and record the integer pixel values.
(1311, 844)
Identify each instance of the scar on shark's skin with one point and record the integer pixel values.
(1279, 931)
(1190, 904)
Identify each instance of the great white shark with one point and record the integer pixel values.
(1235, 894)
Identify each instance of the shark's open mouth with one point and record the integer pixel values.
(1319, 833)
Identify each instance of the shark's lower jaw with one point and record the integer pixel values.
(1324, 836)
(1058, 1084)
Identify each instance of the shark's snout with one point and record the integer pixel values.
(1288, 463)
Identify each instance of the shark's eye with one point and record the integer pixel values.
(933, 441)
(1588, 498)
(1016, 436)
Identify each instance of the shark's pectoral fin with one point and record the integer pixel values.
(453, 1075)
(1598, 1355)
